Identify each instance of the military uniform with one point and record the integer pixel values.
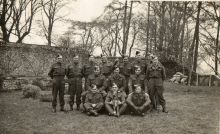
(138, 102)
(156, 75)
(118, 96)
(93, 102)
(126, 70)
(87, 70)
(57, 73)
(99, 81)
(137, 80)
(107, 68)
(74, 75)
(119, 80)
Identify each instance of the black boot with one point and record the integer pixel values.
(62, 109)
(71, 107)
(78, 107)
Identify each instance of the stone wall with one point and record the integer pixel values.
(33, 60)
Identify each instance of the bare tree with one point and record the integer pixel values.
(194, 46)
(65, 40)
(22, 29)
(216, 8)
(50, 8)
(6, 15)
(182, 33)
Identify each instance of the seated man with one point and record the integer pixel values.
(94, 101)
(138, 101)
(97, 79)
(115, 101)
(118, 79)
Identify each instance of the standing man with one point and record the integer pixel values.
(156, 75)
(139, 61)
(57, 73)
(137, 79)
(118, 79)
(106, 66)
(126, 69)
(74, 75)
(97, 79)
(88, 69)
(138, 101)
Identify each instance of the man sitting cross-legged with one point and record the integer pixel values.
(138, 101)
(115, 101)
(94, 101)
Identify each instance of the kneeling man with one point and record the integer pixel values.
(115, 101)
(94, 101)
(138, 101)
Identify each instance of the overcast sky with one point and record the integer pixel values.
(80, 10)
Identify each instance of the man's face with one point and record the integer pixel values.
(155, 60)
(138, 89)
(94, 88)
(116, 70)
(75, 59)
(138, 71)
(97, 71)
(114, 88)
(104, 59)
(59, 59)
(125, 59)
(138, 56)
(91, 58)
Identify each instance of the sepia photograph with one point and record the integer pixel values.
(109, 67)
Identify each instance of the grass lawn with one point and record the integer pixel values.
(192, 110)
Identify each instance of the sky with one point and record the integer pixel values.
(79, 10)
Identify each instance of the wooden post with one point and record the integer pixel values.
(197, 79)
(210, 80)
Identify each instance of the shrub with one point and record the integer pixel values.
(31, 91)
(38, 82)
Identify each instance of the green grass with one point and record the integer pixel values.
(192, 110)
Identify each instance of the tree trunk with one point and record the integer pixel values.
(124, 26)
(182, 36)
(155, 35)
(191, 67)
(127, 31)
(216, 49)
(49, 34)
(160, 47)
(148, 29)
(197, 39)
(132, 44)
(116, 39)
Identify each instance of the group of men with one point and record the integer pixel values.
(116, 86)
